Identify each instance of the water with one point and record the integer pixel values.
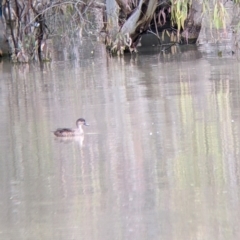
(160, 159)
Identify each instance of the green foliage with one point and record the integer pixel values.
(236, 1)
(219, 15)
(30, 45)
(215, 9)
(179, 12)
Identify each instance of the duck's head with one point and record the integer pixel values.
(81, 122)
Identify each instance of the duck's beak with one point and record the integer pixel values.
(86, 124)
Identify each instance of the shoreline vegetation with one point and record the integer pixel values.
(25, 33)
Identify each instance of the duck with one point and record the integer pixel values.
(69, 132)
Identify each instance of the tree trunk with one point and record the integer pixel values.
(139, 21)
(133, 27)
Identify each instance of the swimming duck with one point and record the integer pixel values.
(69, 132)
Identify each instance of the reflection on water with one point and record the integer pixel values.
(160, 159)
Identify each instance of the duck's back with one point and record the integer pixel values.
(64, 132)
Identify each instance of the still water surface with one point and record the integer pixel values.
(160, 159)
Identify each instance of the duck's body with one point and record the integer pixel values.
(69, 132)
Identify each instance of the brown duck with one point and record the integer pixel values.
(69, 132)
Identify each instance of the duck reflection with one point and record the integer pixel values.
(67, 135)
